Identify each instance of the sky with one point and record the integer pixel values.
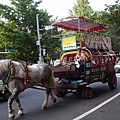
(60, 7)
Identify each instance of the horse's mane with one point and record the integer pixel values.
(16, 63)
(5, 64)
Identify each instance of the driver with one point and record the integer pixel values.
(80, 58)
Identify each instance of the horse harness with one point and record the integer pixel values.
(12, 75)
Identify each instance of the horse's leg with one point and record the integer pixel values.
(11, 112)
(45, 103)
(20, 110)
(52, 97)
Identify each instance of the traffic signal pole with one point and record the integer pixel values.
(38, 33)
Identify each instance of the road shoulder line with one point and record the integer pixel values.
(97, 107)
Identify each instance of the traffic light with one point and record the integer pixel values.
(44, 52)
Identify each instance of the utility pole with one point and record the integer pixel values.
(39, 43)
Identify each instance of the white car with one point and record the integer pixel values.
(117, 67)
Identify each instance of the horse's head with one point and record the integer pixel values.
(4, 66)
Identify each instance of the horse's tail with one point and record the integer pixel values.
(52, 84)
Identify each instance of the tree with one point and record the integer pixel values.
(19, 31)
(52, 45)
(111, 17)
(81, 8)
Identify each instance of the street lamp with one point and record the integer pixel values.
(39, 43)
(39, 36)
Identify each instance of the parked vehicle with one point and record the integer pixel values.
(99, 66)
(117, 67)
(4, 92)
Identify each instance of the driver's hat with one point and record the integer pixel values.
(78, 48)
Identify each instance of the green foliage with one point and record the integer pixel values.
(81, 8)
(52, 45)
(19, 35)
(112, 18)
(18, 32)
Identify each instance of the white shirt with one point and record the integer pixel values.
(80, 57)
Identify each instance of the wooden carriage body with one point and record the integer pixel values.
(99, 65)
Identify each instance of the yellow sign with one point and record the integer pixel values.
(69, 43)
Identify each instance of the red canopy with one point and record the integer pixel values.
(78, 24)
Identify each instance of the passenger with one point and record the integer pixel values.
(80, 58)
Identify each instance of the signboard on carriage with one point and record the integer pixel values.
(98, 42)
(69, 43)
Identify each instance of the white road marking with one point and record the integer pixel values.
(97, 107)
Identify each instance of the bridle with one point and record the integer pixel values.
(11, 74)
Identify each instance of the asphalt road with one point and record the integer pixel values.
(105, 105)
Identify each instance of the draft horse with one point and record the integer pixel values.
(18, 77)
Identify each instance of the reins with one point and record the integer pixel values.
(41, 85)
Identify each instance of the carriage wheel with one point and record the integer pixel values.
(112, 81)
(87, 93)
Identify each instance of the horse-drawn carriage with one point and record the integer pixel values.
(98, 67)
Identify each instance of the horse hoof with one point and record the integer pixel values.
(44, 107)
(20, 113)
(55, 100)
(11, 117)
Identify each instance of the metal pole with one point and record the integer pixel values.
(38, 32)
